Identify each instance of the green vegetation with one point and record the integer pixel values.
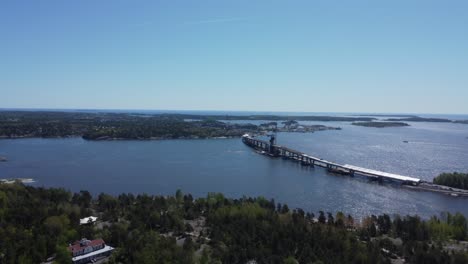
(36, 223)
(101, 126)
(455, 180)
(294, 126)
(104, 126)
(380, 124)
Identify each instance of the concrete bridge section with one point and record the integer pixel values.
(279, 151)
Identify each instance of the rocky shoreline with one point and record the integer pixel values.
(426, 186)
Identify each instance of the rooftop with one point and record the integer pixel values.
(88, 220)
(84, 243)
(94, 253)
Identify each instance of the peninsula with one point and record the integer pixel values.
(112, 126)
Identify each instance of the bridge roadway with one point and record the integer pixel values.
(281, 151)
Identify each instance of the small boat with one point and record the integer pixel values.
(405, 141)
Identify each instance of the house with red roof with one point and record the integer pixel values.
(85, 251)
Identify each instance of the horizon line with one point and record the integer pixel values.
(211, 110)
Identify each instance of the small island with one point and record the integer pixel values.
(293, 126)
(421, 119)
(427, 119)
(455, 180)
(380, 124)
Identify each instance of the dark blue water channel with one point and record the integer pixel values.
(228, 166)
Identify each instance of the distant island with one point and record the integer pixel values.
(118, 125)
(425, 119)
(380, 124)
(386, 115)
(292, 126)
(273, 117)
(115, 126)
(421, 119)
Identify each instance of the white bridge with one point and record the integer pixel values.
(381, 174)
(307, 160)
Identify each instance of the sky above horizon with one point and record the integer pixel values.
(304, 56)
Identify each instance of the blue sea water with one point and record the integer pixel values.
(230, 167)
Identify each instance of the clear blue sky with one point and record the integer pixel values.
(320, 56)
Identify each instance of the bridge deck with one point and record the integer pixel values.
(381, 173)
(350, 168)
(322, 160)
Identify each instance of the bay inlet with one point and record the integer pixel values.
(230, 167)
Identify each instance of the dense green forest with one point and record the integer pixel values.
(36, 223)
(455, 180)
(104, 126)
(101, 126)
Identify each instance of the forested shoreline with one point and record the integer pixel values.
(109, 126)
(114, 126)
(455, 180)
(36, 223)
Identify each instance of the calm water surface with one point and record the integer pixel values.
(228, 166)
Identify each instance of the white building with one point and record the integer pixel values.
(85, 251)
(88, 220)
